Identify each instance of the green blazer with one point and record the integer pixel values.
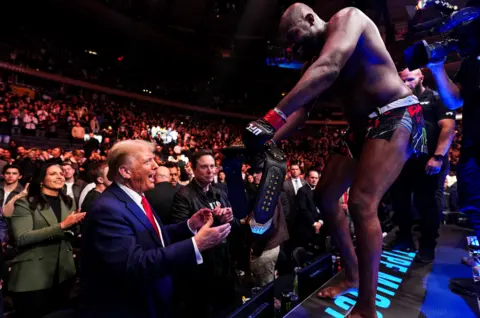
(42, 245)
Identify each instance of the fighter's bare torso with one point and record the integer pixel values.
(369, 79)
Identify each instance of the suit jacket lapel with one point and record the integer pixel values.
(65, 210)
(139, 214)
(142, 217)
(48, 215)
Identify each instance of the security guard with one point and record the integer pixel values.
(424, 176)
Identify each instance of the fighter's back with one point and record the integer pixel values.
(369, 76)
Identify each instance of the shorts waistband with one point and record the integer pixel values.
(399, 103)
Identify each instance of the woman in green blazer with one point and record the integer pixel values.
(43, 271)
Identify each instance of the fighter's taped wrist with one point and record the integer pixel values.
(276, 118)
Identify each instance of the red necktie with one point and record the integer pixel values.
(149, 213)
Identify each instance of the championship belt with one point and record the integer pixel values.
(269, 190)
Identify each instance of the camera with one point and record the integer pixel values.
(459, 29)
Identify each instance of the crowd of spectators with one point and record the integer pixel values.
(36, 52)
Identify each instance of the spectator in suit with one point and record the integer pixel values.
(308, 221)
(291, 187)
(98, 173)
(73, 186)
(129, 257)
(161, 197)
(43, 270)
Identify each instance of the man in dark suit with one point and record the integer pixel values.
(129, 257)
(161, 197)
(291, 187)
(308, 221)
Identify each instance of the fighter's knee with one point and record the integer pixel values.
(362, 205)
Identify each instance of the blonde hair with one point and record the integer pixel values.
(121, 152)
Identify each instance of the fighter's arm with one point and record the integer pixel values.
(344, 32)
(449, 92)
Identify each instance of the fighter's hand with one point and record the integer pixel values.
(433, 166)
(256, 134)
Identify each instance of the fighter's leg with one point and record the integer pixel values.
(380, 164)
(336, 178)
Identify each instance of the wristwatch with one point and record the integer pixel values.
(439, 157)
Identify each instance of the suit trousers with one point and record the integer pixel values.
(39, 303)
(428, 199)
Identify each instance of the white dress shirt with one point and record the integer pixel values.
(297, 184)
(69, 186)
(84, 193)
(137, 198)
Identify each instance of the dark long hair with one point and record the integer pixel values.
(35, 196)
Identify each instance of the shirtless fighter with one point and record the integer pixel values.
(386, 127)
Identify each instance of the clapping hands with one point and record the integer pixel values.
(200, 218)
(72, 219)
(224, 215)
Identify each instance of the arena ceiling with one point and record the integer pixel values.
(206, 28)
(200, 30)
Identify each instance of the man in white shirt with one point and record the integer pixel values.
(130, 256)
(73, 187)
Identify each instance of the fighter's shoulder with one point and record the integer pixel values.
(348, 18)
(349, 14)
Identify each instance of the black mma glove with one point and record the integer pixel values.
(256, 134)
